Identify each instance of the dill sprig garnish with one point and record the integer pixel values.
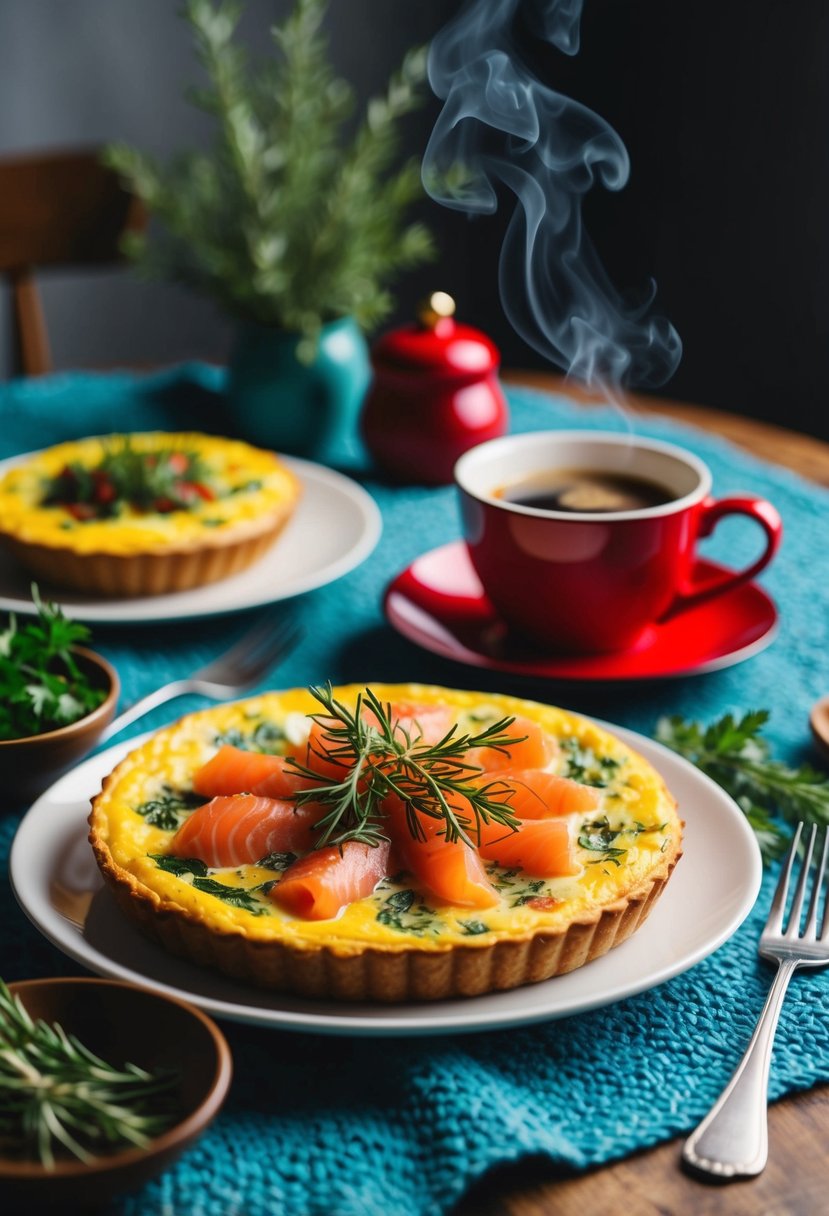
(56, 1095)
(379, 757)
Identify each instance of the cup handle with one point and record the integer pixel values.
(712, 510)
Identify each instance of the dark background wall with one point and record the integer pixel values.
(722, 103)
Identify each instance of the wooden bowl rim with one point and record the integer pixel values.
(178, 1135)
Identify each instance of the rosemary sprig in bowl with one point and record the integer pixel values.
(77, 1124)
(58, 1098)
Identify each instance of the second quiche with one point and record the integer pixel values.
(146, 513)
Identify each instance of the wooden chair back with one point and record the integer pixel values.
(56, 209)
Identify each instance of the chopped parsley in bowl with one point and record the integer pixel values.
(56, 697)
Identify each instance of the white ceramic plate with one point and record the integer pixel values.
(335, 527)
(713, 888)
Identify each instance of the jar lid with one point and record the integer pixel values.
(437, 343)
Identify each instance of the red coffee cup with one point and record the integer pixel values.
(579, 581)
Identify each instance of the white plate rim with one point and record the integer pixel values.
(197, 604)
(471, 1015)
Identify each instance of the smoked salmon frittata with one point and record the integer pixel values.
(395, 842)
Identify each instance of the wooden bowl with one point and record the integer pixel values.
(123, 1023)
(29, 765)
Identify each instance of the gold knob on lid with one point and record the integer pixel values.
(438, 307)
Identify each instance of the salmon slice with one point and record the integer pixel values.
(319, 886)
(535, 750)
(535, 794)
(452, 871)
(314, 752)
(423, 723)
(538, 846)
(242, 828)
(236, 771)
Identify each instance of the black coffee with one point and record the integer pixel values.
(585, 491)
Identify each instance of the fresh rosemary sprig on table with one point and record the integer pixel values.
(732, 752)
(379, 757)
(56, 1096)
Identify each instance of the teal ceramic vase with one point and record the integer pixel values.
(301, 409)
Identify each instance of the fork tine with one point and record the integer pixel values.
(811, 924)
(793, 927)
(240, 647)
(261, 632)
(272, 634)
(774, 924)
(258, 663)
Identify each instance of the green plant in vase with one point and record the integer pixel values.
(293, 222)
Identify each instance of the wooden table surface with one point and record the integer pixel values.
(653, 1183)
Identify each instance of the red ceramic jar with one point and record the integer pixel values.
(435, 394)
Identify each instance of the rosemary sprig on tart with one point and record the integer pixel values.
(371, 754)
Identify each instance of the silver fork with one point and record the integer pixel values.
(732, 1140)
(230, 675)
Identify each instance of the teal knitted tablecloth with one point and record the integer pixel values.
(355, 1127)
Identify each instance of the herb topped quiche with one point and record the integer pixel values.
(144, 514)
(397, 843)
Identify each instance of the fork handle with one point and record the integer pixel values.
(176, 688)
(732, 1140)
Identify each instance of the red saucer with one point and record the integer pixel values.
(439, 604)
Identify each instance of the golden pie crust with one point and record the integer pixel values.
(148, 554)
(452, 952)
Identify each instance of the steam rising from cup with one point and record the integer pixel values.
(501, 127)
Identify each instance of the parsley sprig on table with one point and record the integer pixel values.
(732, 752)
(41, 686)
